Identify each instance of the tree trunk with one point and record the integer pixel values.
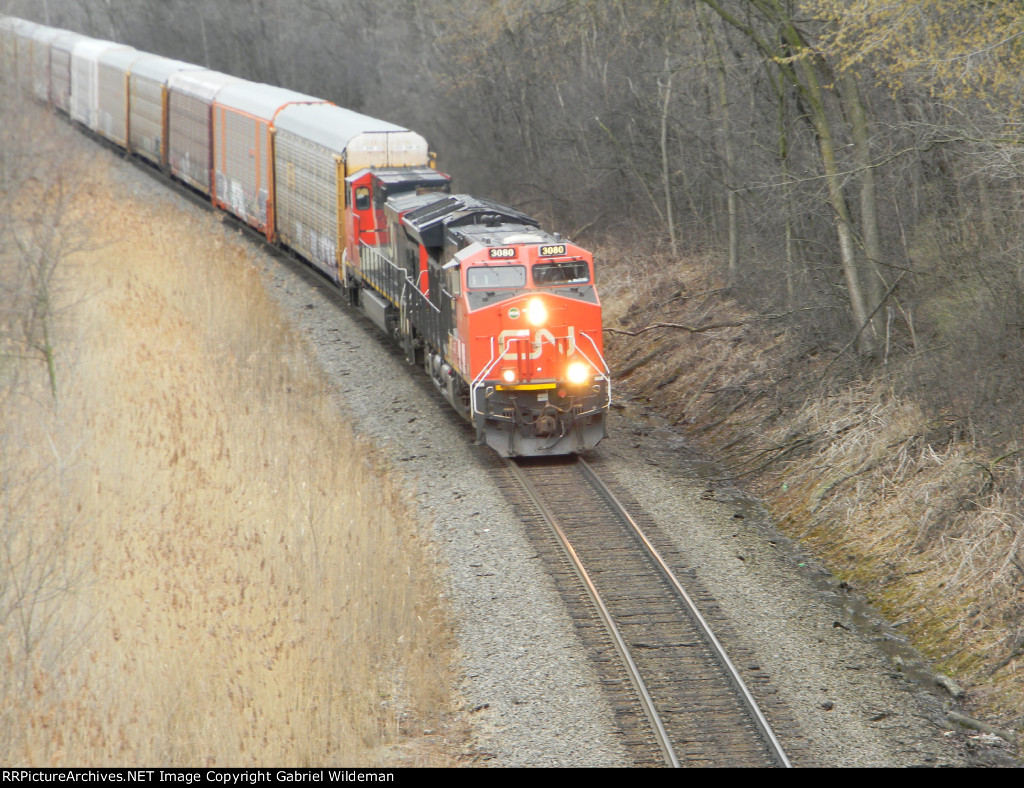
(665, 171)
(870, 234)
(812, 91)
(782, 129)
(804, 77)
(728, 154)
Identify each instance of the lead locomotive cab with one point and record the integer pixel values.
(545, 386)
(506, 319)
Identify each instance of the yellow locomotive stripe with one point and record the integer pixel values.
(528, 387)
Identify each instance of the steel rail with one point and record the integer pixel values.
(620, 644)
(748, 699)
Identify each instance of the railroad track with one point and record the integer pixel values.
(677, 696)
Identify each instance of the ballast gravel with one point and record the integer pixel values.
(852, 693)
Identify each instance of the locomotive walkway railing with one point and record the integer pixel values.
(386, 277)
(393, 282)
(425, 316)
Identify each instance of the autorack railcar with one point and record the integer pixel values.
(86, 86)
(148, 106)
(190, 97)
(317, 148)
(243, 157)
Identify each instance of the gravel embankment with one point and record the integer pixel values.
(531, 697)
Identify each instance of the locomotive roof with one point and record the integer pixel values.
(506, 234)
(390, 176)
(410, 201)
(429, 223)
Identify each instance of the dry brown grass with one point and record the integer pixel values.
(231, 577)
(927, 524)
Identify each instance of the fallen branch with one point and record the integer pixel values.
(998, 460)
(634, 365)
(703, 386)
(781, 451)
(1016, 650)
(712, 326)
(681, 295)
(949, 685)
(978, 725)
(681, 326)
(830, 487)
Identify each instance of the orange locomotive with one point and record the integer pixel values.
(503, 316)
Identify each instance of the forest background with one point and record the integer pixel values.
(808, 217)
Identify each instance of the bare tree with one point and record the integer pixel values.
(38, 232)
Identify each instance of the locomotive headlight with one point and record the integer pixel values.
(578, 373)
(536, 312)
(509, 376)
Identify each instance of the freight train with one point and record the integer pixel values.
(503, 316)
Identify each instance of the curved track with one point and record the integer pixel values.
(696, 709)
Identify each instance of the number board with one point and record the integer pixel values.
(502, 253)
(552, 250)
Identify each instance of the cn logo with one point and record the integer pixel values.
(510, 342)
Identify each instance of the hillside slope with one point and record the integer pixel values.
(898, 500)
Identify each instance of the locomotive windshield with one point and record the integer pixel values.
(568, 272)
(496, 277)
